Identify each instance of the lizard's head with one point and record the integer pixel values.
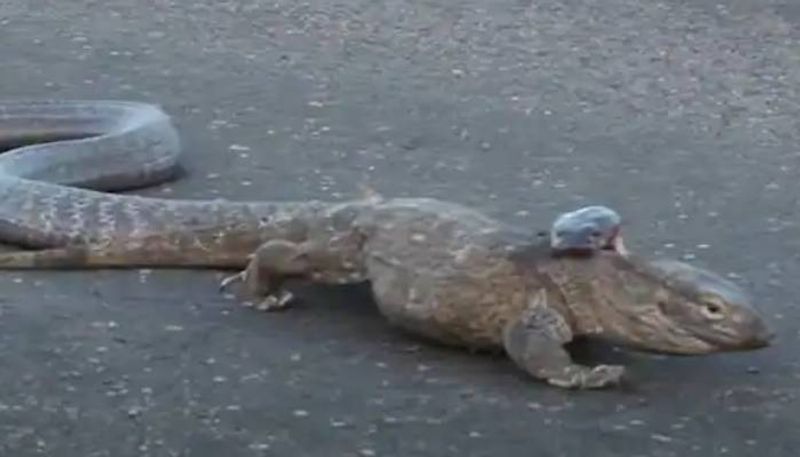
(662, 306)
(704, 311)
(675, 307)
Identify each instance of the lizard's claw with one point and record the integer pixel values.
(275, 302)
(598, 377)
(603, 376)
(228, 280)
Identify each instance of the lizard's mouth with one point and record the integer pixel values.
(685, 345)
(679, 337)
(702, 341)
(758, 336)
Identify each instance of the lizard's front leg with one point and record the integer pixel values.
(535, 342)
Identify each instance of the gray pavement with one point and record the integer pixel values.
(681, 114)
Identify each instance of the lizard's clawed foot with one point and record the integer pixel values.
(271, 298)
(598, 377)
(535, 342)
(276, 302)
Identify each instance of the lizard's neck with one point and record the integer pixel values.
(614, 298)
(592, 293)
(603, 295)
(566, 287)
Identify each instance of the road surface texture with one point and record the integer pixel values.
(681, 114)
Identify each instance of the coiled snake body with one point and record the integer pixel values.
(61, 160)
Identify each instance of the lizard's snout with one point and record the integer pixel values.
(760, 333)
(762, 336)
(753, 333)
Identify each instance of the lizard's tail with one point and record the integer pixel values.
(199, 248)
(85, 257)
(74, 257)
(58, 258)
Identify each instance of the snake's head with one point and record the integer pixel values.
(587, 230)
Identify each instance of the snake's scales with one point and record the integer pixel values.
(61, 159)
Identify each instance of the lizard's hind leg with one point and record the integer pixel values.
(264, 276)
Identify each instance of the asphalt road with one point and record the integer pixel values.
(680, 114)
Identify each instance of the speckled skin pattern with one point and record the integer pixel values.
(456, 276)
(437, 269)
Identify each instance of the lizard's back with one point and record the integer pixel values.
(443, 270)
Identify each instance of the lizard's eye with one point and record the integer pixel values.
(712, 310)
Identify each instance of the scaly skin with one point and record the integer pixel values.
(450, 274)
(61, 154)
(437, 269)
